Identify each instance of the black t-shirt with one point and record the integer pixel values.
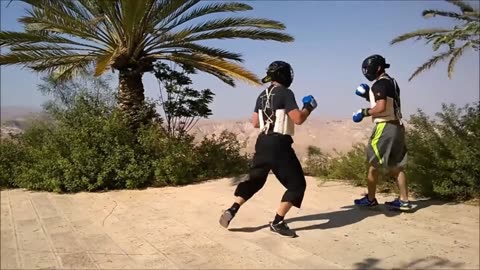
(386, 88)
(280, 98)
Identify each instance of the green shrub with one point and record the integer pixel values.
(11, 156)
(317, 163)
(221, 156)
(87, 148)
(178, 164)
(179, 161)
(444, 154)
(351, 166)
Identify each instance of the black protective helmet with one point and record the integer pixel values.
(279, 71)
(371, 64)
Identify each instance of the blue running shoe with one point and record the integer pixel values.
(366, 202)
(399, 204)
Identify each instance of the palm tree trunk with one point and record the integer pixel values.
(131, 98)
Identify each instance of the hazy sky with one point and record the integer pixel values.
(332, 39)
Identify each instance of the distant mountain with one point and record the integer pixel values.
(14, 119)
(327, 134)
(9, 113)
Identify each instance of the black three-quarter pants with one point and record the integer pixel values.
(274, 152)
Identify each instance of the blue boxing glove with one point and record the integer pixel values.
(362, 90)
(360, 114)
(309, 103)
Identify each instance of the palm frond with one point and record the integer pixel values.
(168, 10)
(207, 10)
(236, 22)
(104, 61)
(55, 16)
(48, 47)
(247, 33)
(112, 19)
(462, 5)
(432, 13)
(222, 66)
(196, 48)
(70, 71)
(43, 59)
(456, 54)
(9, 38)
(136, 16)
(422, 33)
(430, 63)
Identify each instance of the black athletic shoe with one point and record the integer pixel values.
(226, 217)
(282, 229)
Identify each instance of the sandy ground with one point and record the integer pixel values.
(174, 228)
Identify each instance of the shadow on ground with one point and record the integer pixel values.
(341, 218)
(431, 262)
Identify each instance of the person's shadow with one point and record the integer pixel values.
(341, 218)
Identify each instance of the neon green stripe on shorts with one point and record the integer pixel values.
(378, 133)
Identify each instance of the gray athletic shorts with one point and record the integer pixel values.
(386, 147)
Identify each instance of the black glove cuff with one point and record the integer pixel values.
(308, 107)
(365, 112)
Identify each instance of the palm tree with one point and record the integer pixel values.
(467, 33)
(65, 37)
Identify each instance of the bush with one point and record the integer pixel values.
(443, 156)
(221, 156)
(351, 166)
(88, 147)
(11, 156)
(317, 163)
(179, 161)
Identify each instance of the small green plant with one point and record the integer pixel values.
(317, 163)
(221, 156)
(182, 105)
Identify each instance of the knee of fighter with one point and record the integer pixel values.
(298, 191)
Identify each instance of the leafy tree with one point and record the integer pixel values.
(182, 105)
(65, 93)
(65, 37)
(463, 36)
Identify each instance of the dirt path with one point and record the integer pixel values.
(178, 228)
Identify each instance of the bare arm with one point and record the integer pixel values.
(379, 107)
(298, 116)
(255, 121)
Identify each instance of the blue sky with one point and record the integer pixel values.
(332, 39)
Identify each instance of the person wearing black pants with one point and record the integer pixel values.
(275, 114)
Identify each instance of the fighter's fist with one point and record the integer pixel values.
(309, 103)
(359, 115)
(362, 90)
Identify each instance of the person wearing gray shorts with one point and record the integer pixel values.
(386, 147)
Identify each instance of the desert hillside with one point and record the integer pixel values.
(327, 134)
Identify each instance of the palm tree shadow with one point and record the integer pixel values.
(341, 218)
